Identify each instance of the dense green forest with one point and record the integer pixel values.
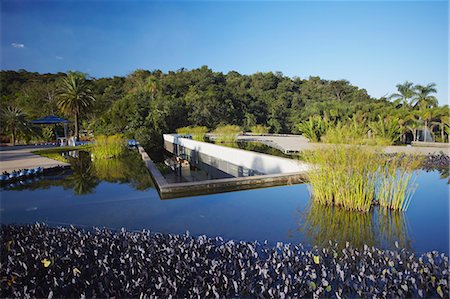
(145, 104)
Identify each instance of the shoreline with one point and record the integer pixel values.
(42, 261)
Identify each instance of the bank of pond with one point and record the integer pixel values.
(120, 193)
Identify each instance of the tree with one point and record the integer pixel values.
(14, 121)
(423, 98)
(75, 96)
(405, 93)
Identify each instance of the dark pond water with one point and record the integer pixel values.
(117, 194)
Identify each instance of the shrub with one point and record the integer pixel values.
(227, 133)
(197, 133)
(314, 128)
(107, 147)
(259, 129)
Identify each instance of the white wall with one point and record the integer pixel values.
(267, 164)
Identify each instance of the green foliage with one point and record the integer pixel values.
(387, 130)
(352, 177)
(343, 176)
(259, 129)
(48, 134)
(396, 182)
(75, 96)
(144, 104)
(227, 133)
(15, 122)
(198, 133)
(314, 128)
(107, 147)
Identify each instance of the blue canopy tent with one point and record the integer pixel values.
(54, 120)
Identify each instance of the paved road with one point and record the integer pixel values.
(20, 157)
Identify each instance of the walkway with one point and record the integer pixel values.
(20, 157)
(290, 144)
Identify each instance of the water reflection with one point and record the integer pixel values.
(320, 224)
(83, 179)
(85, 175)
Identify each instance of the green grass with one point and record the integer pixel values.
(107, 147)
(355, 177)
(56, 152)
(227, 133)
(198, 133)
(259, 129)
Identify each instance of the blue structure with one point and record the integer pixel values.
(54, 120)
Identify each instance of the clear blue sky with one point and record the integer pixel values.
(373, 44)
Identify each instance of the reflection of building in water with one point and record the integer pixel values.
(321, 223)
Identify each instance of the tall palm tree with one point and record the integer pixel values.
(75, 96)
(423, 98)
(14, 120)
(405, 93)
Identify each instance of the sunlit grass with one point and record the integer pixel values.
(107, 147)
(355, 177)
(198, 133)
(227, 133)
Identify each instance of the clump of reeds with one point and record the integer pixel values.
(107, 147)
(354, 177)
(198, 132)
(396, 182)
(343, 176)
(259, 129)
(227, 133)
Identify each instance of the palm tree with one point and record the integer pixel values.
(405, 92)
(75, 96)
(14, 120)
(422, 97)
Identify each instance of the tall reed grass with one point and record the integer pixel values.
(227, 133)
(107, 147)
(397, 182)
(355, 177)
(198, 133)
(259, 129)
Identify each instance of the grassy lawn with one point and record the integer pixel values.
(55, 153)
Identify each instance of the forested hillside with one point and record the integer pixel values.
(145, 104)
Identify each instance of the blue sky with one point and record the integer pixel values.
(373, 44)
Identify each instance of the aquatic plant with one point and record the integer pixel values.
(66, 262)
(227, 133)
(107, 147)
(197, 132)
(342, 176)
(259, 129)
(396, 181)
(354, 176)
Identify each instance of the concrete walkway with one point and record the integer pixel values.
(298, 143)
(20, 157)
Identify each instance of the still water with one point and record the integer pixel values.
(120, 193)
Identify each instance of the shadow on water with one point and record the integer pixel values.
(320, 224)
(85, 175)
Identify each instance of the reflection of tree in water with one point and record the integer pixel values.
(321, 223)
(83, 179)
(127, 169)
(84, 175)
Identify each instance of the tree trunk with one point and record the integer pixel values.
(442, 133)
(77, 134)
(13, 137)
